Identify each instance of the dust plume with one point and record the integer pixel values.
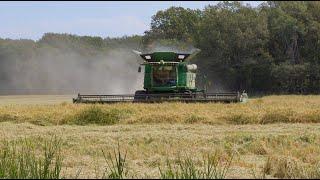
(56, 66)
(70, 72)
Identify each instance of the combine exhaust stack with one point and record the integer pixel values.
(168, 77)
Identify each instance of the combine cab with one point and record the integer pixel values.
(167, 77)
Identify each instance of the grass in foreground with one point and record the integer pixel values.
(145, 148)
(116, 165)
(186, 168)
(286, 167)
(20, 159)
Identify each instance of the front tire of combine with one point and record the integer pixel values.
(139, 96)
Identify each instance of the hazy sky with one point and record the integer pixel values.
(30, 20)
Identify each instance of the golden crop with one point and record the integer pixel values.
(271, 109)
(274, 136)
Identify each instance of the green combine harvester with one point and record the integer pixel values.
(167, 77)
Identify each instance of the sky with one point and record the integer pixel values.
(30, 20)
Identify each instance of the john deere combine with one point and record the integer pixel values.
(167, 77)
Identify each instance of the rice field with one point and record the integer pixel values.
(269, 137)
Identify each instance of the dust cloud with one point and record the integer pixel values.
(114, 72)
(64, 71)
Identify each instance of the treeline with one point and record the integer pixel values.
(273, 48)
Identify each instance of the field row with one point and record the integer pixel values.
(272, 109)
